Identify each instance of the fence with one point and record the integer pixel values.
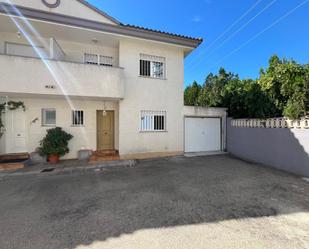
(278, 142)
(272, 123)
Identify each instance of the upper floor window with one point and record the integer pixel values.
(152, 66)
(97, 59)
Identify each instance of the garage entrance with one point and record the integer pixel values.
(203, 134)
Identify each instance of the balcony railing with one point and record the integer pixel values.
(53, 77)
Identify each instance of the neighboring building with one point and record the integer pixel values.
(112, 86)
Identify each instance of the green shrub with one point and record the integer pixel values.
(55, 142)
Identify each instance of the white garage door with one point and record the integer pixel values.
(202, 134)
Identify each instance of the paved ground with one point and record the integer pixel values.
(206, 202)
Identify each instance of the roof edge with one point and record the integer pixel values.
(126, 30)
(102, 13)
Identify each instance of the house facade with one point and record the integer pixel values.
(112, 86)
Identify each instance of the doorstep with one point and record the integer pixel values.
(67, 166)
(14, 161)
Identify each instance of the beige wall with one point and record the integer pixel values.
(2, 139)
(196, 111)
(67, 7)
(84, 137)
(33, 76)
(138, 93)
(150, 94)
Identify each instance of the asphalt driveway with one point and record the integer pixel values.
(204, 202)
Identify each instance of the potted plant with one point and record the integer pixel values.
(55, 144)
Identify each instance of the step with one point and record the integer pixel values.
(103, 153)
(13, 161)
(95, 158)
(14, 157)
(11, 166)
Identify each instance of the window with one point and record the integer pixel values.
(106, 61)
(96, 59)
(77, 118)
(91, 59)
(152, 66)
(48, 117)
(153, 121)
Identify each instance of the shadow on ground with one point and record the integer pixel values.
(66, 211)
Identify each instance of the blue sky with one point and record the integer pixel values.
(239, 35)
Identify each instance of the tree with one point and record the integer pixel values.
(286, 83)
(212, 93)
(192, 93)
(281, 89)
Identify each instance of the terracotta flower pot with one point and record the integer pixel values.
(53, 159)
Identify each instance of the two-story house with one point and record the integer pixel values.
(112, 86)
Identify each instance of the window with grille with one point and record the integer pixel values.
(77, 118)
(91, 59)
(153, 121)
(48, 117)
(152, 66)
(106, 61)
(96, 59)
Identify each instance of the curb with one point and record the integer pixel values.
(86, 168)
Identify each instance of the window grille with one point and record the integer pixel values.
(153, 121)
(77, 118)
(152, 66)
(96, 59)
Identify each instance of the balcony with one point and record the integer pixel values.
(25, 75)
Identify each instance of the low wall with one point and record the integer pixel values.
(285, 149)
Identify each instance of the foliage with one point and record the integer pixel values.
(213, 89)
(11, 105)
(55, 142)
(286, 83)
(192, 93)
(281, 89)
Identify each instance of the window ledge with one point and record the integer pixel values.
(78, 126)
(152, 78)
(153, 131)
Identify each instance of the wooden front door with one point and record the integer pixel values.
(105, 130)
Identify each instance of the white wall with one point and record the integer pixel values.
(13, 38)
(74, 51)
(34, 76)
(67, 7)
(56, 52)
(151, 94)
(84, 137)
(2, 139)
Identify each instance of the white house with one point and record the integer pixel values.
(112, 86)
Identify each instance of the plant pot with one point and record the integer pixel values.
(53, 159)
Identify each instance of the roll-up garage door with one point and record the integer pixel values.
(202, 134)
